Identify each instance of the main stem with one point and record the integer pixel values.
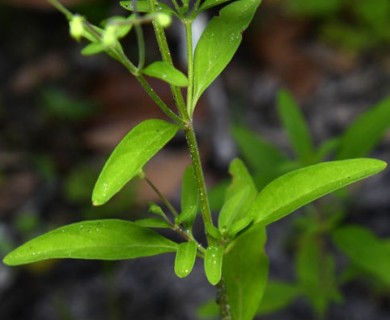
(186, 115)
(198, 171)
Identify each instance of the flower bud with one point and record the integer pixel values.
(163, 19)
(110, 35)
(76, 26)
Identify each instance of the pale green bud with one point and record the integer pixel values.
(110, 35)
(76, 27)
(163, 19)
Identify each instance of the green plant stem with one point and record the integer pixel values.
(149, 90)
(189, 130)
(166, 56)
(62, 9)
(140, 39)
(222, 300)
(162, 197)
(117, 53)
(185, 234)
(177, 7)
(141, 46)
(198, 171)
(196, 161)
(190, 63)
(196, 6)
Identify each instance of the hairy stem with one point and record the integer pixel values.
(223, 302)
(190, 62)
(198, 171)
(162, 197)
(149, 90)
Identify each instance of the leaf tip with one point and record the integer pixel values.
(7, 261)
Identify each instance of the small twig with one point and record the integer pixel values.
(162, 197)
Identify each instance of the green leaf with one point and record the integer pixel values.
(365, 249)
(95, 239)
(277, 296)
(316, 273)
(189, 199)
(238, 200)
(219, 42)
(245, 272)
(300, 187)
(185, 258)
(130, 155)
(296, 127)
(156, 209)
(239, 226)
(232, 209)
(143, 6)
(365, 132)
(262, 157)
(152, 223)
(213, 259)
(211, 3)
(241, 178)
(166, 72)
(93, 48)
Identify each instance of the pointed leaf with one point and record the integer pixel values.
(189, 199)
(239, 226)
(93, 48)
(185, 258)
(156, 209)
(143, 6)
(245, 272)
(211, 3)
(213, 259)
(365, 132)
(238, 200)
(241, 178)
(365, 249)
(166, 72)
(96, 239)
(297, 188)
(130, 155)
(296, 127)
(232, 210)
(219, 42)
(152, 223)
